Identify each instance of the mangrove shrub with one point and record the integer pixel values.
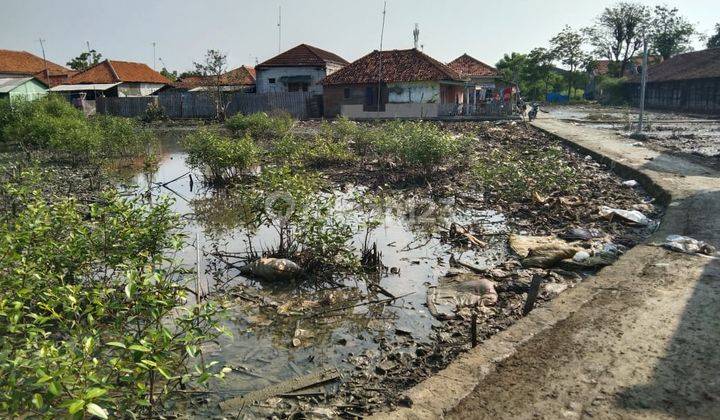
(219, 157)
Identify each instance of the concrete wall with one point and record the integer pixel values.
(265, 74)
(138, 89)
(700, 95)
(414, 92)
(392, 110)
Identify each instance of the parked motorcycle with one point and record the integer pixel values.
(533, 111)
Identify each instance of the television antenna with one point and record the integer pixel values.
(416, 35)
(42, 47)
(382, 35)
(279, 26)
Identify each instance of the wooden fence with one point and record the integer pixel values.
(202, 105)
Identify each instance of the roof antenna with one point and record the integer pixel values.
(416, 35)
(382, 35)
(42, 46)
(279, 25)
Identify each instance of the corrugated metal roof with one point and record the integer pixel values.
(9, 83)
(81, 88)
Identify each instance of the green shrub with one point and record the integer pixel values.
(611, 91)
(94, 320)
(121, 137)
(154, 112)
(416, 145)
(260, 125)
(218, 157)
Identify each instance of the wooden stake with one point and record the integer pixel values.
(532, 294)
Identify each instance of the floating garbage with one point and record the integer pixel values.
(688, 245)
(631, 183)
(628, 216)
(272, 269)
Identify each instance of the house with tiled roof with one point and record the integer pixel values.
(394, 84)
(485, 78)
(24, 64)
(113, 78)
(241, 79)
(299, 69)
(685, 82)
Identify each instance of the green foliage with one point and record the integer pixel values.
(714, 39)
(220, 158)
(533, 72)
(567, 48)
(53, 125)
(611, 90)
(85, 60)
(670, 33)
(514, 173)
(93, 317)
(154, 112)
(260, 125)
(416, 145)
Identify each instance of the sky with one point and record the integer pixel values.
(247, 30)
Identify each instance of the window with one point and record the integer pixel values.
(271, 81)
(346, 93)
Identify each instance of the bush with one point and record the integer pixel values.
(218, 157)
(121, 137)
(611, 91)
(93, 318)
(154, 112)
(260, 125)
(416, 145)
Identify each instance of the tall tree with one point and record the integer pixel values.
(85, 60)
(172, 75)
(213, 66)
(714, 40)
(567, 48)
(669, 33)
(617, 33)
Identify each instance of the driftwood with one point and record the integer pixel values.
(285, 387)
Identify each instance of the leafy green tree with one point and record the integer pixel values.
(617, 34)
(532, 71)
(173, 76)
(669, 33)
(85, 60)
(213, 66)
(567, 48)
(714, 40)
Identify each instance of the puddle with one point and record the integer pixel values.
(262, 351)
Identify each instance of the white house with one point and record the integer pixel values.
(297, 69)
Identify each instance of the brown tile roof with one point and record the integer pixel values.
(24, 63)
(603, 66)
(469, 66)
(303, 55)
(397, 66)
(703, 64)
(241, 76)
(119, 71)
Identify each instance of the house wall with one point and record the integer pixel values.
(392, 110)
(29, 90)
(265, 74)
(138, 89)
(698, 95)
(414, 92)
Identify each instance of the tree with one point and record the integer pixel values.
(714, 40)
(669, 33)
(173, 76)
(567, 48)
(617, 34)
(190, 73)
(213, 67)
(85, 60)
(532, 72)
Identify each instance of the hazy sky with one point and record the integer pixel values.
(247, 30)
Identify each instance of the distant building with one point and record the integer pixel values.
(22, 88)
(484, 77)
(112, 78)
(634, 67)
(299, 69)
(411, 84)
(24, 64)
(241, 79)
(685, 82)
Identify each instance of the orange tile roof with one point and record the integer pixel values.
(241, 76)
(303, 55)
(397, 66)
(471, 67)
(24, 63)
(113, 71)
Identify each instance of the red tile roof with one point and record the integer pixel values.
(119, 71)
(469, 66)
(703, 64)
(397, 66)
(603, 66)
(303, 55)
(241, 76)
(24, 63)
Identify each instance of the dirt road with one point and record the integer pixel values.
(640, 340)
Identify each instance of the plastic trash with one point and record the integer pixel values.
(581, 256)
(272, 269)
(629, 216)
(631, 183)
(688, 245)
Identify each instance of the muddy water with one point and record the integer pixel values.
(261, 351)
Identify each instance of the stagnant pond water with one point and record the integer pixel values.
(262, 351)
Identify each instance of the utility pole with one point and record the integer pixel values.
(154, 64)
(643, 82)
(42, 46)
(89, 58)
(382, 34)
(279, 25)
(416, 36)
